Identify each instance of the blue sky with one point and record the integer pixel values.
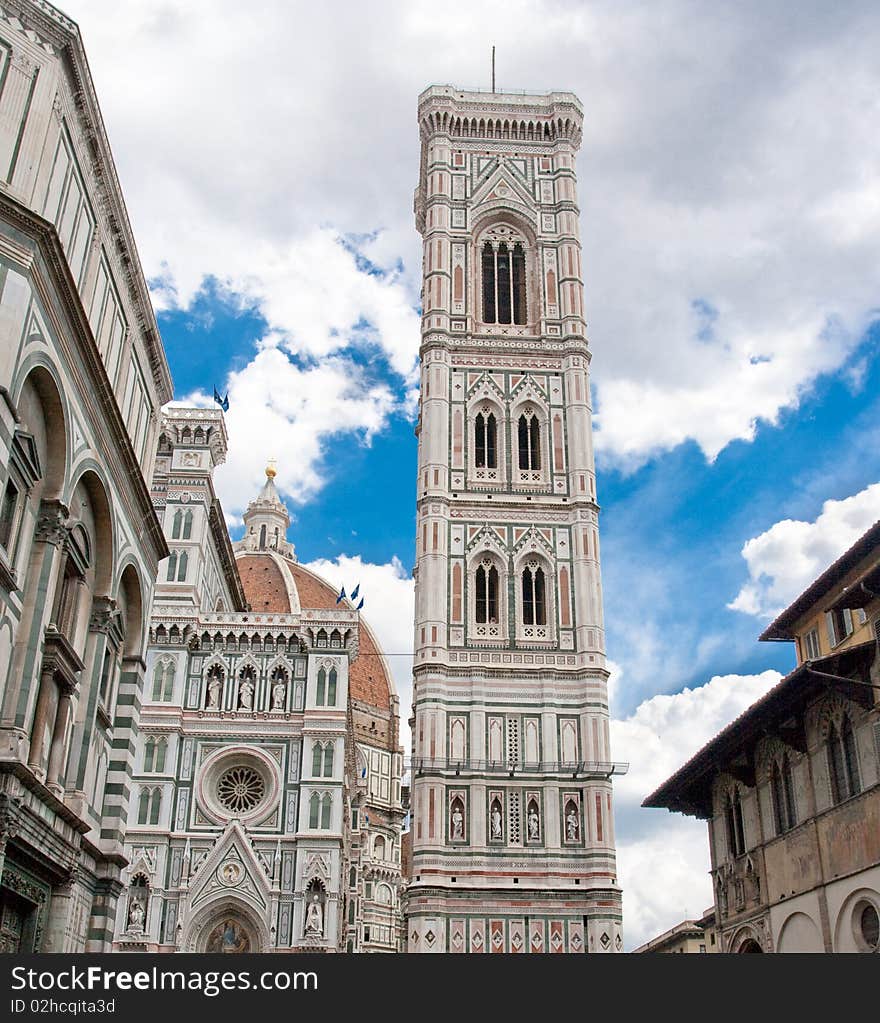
(729, 184)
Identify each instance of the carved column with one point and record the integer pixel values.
(58, 748)
(46, 704)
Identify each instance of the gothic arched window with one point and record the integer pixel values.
(328, 760)
(262, 537)
(321, 688)
(485, 446)
(487, 595)
(175, 526)
(529, 435)
(534, 603)
(331, 688)
(326, 806)
(187, 525)
(782, 792)
(735, 831)
(317, 759)
(172, 567)
(314, 810)
(504, 283)
(181, 566)
(843, 761)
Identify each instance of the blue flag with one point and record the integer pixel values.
(341, 595)
(222, 402)
(355, 591)
(360, 605)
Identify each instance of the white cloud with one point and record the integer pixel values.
(663, 858)
(389, 607)
(786, 558)
(279, 410)
(246, 144)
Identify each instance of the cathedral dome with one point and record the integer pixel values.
(275, 583)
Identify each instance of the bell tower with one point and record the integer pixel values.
(512, 824)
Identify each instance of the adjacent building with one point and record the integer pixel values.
(512, 818)
(687, 938)
(82, 378)
(791, 789)
(265, 813)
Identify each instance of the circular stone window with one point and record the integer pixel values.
(867, 926)
(240, 782)
(241, 789)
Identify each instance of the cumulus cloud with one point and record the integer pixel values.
(787, 557)
(704, 184)
(663, 858)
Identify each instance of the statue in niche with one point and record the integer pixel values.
(534, 823)
(457, 821)
(572, 824)
(135, 916)
(246, 694)
(495, 821)
(279, 692)
(215, 684)
(315, 916)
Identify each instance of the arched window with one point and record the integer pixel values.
(181, 567)
(328, 760)
(529, 437)
(504, 283)
(143, 806)
(331, 688)
(317, 760)
(314, 810)
(321, 688)
(735, 831)
(843, 761)
(486, 594)
(262, 537)
(326, 806)
(782, 793)
(161, 750)
(485, 446)
(175, 527)
(534, 604)
(187, 525)
(155, 806)
(172, 567)
(149, 755)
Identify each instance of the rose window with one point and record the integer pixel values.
(241, 789)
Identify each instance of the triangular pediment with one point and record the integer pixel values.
(485, 385)
(529, 387)
(504, 186)
(486, 537)
(232, 867)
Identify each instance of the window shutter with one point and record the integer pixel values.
(829, 622)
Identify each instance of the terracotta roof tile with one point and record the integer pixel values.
(265, 591)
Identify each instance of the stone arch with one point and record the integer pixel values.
(846, 935)
(746, 939)
(201, 930)
(42, 411)
(130, 602)
(89, 485)
(799, 933)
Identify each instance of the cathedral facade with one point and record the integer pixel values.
(265, 812)
(512, 824)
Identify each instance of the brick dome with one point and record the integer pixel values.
(275, 584)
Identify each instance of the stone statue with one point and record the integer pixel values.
(215, 684)
(496, 822)
(279, 691)
(315, 916)
(572, 825)
(246, 694)
(534, 823)
(135, 916)
(457, 823)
